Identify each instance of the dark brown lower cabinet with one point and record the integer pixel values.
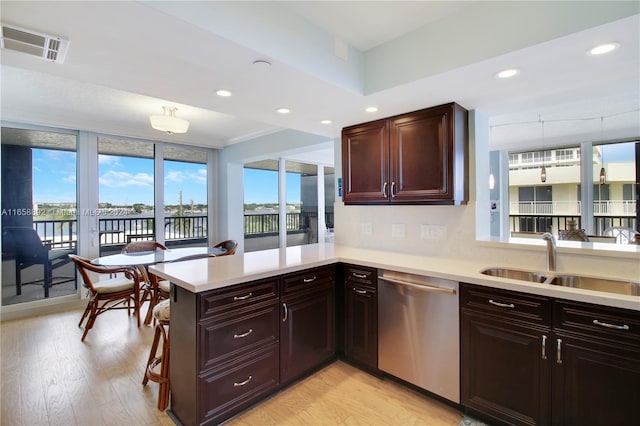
(504, 372)
(596, 365)
(361, 316)
(583, 369)
(226, 344)
(231, 385)
(307, 336)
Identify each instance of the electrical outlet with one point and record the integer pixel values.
(433, 232)
(397, 230)
(366, 228)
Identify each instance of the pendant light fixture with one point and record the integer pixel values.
(543, 170)
(168, 122)
(603, 172)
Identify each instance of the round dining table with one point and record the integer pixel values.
(142, 260)
(146, 258)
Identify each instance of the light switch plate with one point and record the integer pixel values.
(397, 230)
(366, 228)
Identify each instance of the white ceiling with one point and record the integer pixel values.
(328, 61)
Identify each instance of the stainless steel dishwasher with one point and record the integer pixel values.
(418, 331)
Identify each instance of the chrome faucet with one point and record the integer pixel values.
(551, 250)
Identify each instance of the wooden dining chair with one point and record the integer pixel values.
(149, 284)
(120, 292)
(229, 245)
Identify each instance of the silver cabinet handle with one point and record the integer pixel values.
(362, 276)
(384, 190)
(393, 192)
(286, 312)
(502, 305)
(613, 326)
(544, 347)
(235, 298)
(240, 336)
(359, 291)
(309, 280)
(559, 351)
(238, 384)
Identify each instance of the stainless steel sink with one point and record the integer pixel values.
(515, 274)
(597, 284)
(606, 285)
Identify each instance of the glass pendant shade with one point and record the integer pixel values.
(168, 122)
(603, 176)
(543, 174)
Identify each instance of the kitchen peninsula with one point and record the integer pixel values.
(271, 297)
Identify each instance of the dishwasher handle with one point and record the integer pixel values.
(420, 287)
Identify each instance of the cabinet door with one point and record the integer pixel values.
(594, 383)
(361, 320)
(505, 370)
(365, 163)
(421, 156)
(306, 331)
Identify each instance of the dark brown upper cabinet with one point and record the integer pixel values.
(414, 158)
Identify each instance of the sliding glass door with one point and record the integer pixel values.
(39, 215)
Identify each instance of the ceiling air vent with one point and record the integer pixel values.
(47, 47)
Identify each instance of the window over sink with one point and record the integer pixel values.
(552, 190)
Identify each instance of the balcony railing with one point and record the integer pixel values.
(569, 208)
(267, 223)
(120, 231)
(60, 233)
(541, 223)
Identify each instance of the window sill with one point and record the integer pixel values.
(619, 251)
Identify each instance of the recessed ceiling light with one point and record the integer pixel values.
(512, 72)
(326, 122)
(371, 109)
(283, 110)
(262, 63)
(223, 93)
(603, 48)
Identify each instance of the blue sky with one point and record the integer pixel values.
(261, 186)
(128, 180)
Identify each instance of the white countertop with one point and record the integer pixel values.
(219, 272)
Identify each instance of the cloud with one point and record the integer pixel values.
(199, 176)
(109, 159)
(175, 177)
(71, 178)
(114, 179)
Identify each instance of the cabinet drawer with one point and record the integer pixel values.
(360, 275)
(508, 304)
(234, 386)
(230, 299)
(227, 337)
(618, 325)
(307, 280)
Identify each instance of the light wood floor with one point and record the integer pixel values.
(49, 377)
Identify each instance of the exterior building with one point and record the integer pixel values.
(537, 206)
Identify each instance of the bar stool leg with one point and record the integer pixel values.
(152, 355)
(162, 378)
(163, 392)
